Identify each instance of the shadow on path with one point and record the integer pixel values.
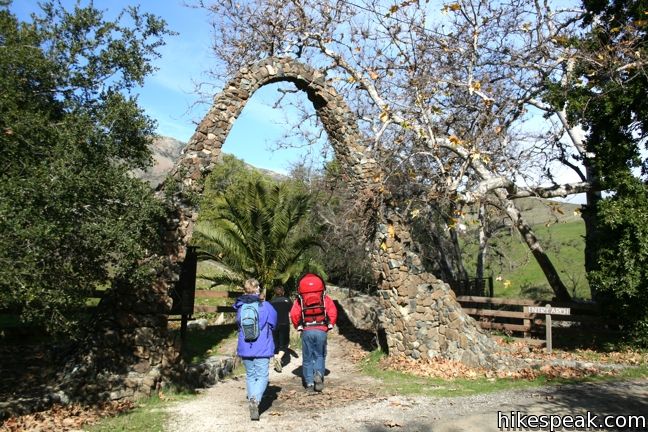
(616, 397)
(271, 394)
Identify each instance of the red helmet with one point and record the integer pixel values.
(310, 283)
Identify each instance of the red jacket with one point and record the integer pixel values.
(331, 313)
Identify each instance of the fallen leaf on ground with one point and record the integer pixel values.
(64, 418)
(450, 369)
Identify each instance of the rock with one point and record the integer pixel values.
(199, 324)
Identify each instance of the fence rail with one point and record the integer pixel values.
(207, 294)
(213, 309)
(492, 313)
(204, 294)
(508, 314)
(217, 294)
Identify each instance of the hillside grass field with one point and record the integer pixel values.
(510, 263)
(516, 273)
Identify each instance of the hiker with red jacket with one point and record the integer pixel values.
(313, 314)
(256, 319)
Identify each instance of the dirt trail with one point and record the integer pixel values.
(355, 403)
(223, 407)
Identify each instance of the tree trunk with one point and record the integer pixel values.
(550, 272)
(420, 313)
(437, 262)
(590, 217)
(483, 242)
(559, 289)
(459, 269)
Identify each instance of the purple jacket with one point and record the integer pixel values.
(264, 345)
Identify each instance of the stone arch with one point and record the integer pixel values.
(205, 145)
(420, 315)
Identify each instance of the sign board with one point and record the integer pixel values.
(547, 310)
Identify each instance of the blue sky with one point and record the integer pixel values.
(169, 95)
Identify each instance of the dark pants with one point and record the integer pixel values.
(281, 337)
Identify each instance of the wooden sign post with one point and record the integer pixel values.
(548, 311)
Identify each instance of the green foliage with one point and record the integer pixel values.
(71, 216)
(512, 261)
(229, 175)
(608, 97)
(343, 253)
(256, 229)
(201, 344)
(607, 94)
(150, 414)
(622, 278)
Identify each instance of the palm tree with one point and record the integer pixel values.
(258, 231)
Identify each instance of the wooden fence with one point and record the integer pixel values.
(206, 294)
(492, 313)
(508, 315)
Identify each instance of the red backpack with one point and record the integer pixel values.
(310, 295)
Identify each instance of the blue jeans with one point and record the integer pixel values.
(313, 354)
(256, 376)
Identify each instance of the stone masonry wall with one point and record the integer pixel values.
(131, 353)
(420, 313)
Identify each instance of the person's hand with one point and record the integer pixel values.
(330, 326)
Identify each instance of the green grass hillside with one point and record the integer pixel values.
(514, 270)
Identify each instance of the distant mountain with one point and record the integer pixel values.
(166, 152)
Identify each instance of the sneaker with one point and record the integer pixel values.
(319, 382)
(277, 365)
(254, 409)
(310, 389)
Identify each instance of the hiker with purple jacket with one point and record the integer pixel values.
(256, 319)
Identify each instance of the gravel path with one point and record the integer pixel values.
(355, 403)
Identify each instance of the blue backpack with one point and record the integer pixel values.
(250, 321)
